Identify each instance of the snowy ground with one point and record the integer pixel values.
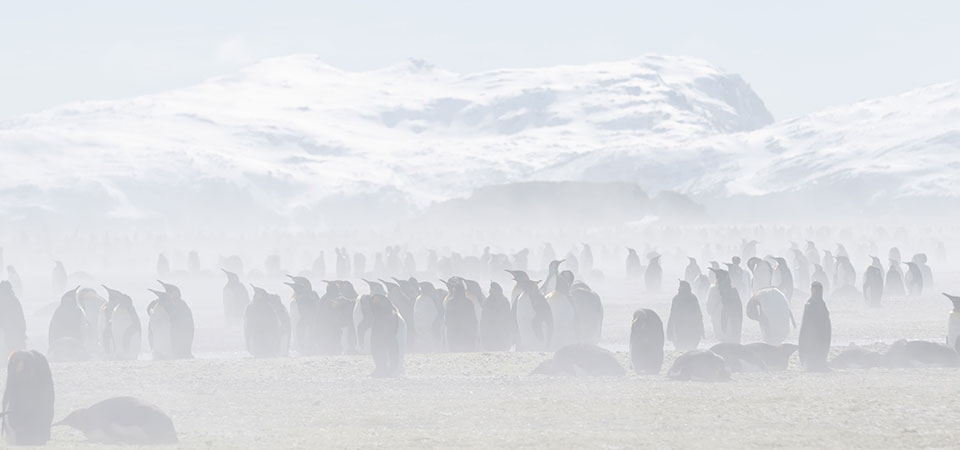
(224, 399)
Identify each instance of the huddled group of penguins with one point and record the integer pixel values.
(560, 313)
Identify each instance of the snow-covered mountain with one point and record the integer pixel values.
(292, 140)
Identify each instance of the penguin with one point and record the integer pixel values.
(770, 308)
(123, 420)
(820, 276)
(829, 264)
(762, 273)
(163, 266)
(812, 254)
(361, 315)
(921, 260)
(14, 278)
(553, 271)
(91, 303)
(815, 331)
(893, 284)
(170, 328)
(905, 353)
(581, 360)
(428, 317)
(534, 318)
(953, 324)
(120, 328)
(573, 264)
(405, 304)
(497, 322)
(475, 294)
(783, 277)
(857, 358)
(586, 260)
(692, 271)
(699, 365)
(739, 358)
(634, 267)
(13, 324)
(646, 342)
(266, 325)
(654, 273)
(739, 278)
(68, 330)
(685, 322)
(304, 312)
(748, 249)
(725, 309)
(775, 357)
(460, 319)
(913, 279)
(846, 275)
(565, 327)
(589, 311)
(894, 255)
(235, 299)
(547, 255)
(801, 268)
(873, 283)
(59, 277)
(388, 337)
(28, 399)
(338, 304)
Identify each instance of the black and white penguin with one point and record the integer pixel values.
(13, 324)
(581, 360)
(163, 266)
(762, 272)
(846, 275)
(953, 324)
(829, 263)
(905, 353)
(266, 325)
(428, 316)
(873, 283)
(921, 260)
(120, 329)
(550, 283)
(820, 276)
(586, 260)
(692, 271)
(646, 342)
(565, 329)
(783, 277)
(857, 358)
(748, 249)
(739, 278)
(123, 420)
(893, 285)
(815, 331)
(388, 337)
(27, 399)
(337, 305)
(653, 276)
(913, 279)
(405, 304)
(58, 277)
(91, 303)
(461, 327)
(775, 357)
(685, 322)
(589, 311)
(170, 328)
(634, 268)
(699, 365)
(812, 254)
(497, 322)
(725, 309)
(304, 313)
(235, 299)
(770, 308)
(739, 358)
(801, 268)
(534, 318)
(68, 330)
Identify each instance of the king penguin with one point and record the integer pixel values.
(13, 325)
(565, 331)
(428, 317)
(646, 342)
(771, 309)
(550, 283)
(893, 284)
(304, 312)
(873, 283)
(692, 271)
(460, 319)
(685, 323)
(725, 309)
(497, 322)
(634, 268)
(589, 311)
(388, 337)
(534, 318)
(27, 399)
(68, 330)
(815, 331)
(654, 273)
(123, 420)
(914, 279)
(170, 328)
(820, 276)
(953, 325)
(266, 325)
(235, 299)
(120, 328)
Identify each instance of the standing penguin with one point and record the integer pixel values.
(634, 267)
(914, 279)
(953, 324)
(304, 310)
(739, 278)
(27, 399)
(170, 328)
(873, 283)
(646, 342)
(893, 285)
(428, 317)
(783, 277)
(589, 311)
(725, 309)
(235, 299)
(815, 331)
(266, 325)
(762, 273)
(497, 322)
(388, 337)
(123, 420)
(820, 276)
(801, 268)
(565, 331)
(120, 328)
(771, 309)
(921, 260)
(460, 319)
(534, 318)
(13, 325)
(692, 271)
(59, 277)
(553, 271)
(68, 330)
(846, 275)
(654, 273)
(685, 323)
(163, 266)
(586, 260)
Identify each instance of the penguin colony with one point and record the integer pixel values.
(389, 318)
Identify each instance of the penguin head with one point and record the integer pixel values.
(115, 296)
(693, 261)
(495, 289)
(259, 293)
(518, 275)
(302, 282)
(427, 288)
(736, 260)
(231, 277)
(684, 287)
(816, 290)
(375, 288)
(875, 262)
(70, 296)
(171, 290)
(920, 258)
(955, 300)
(555, 265)
(80, 419)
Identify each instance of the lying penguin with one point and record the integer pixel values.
(739, 358)
(699, 365)
(581, 360)
(123, 420)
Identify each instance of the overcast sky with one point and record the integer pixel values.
(798, 59)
